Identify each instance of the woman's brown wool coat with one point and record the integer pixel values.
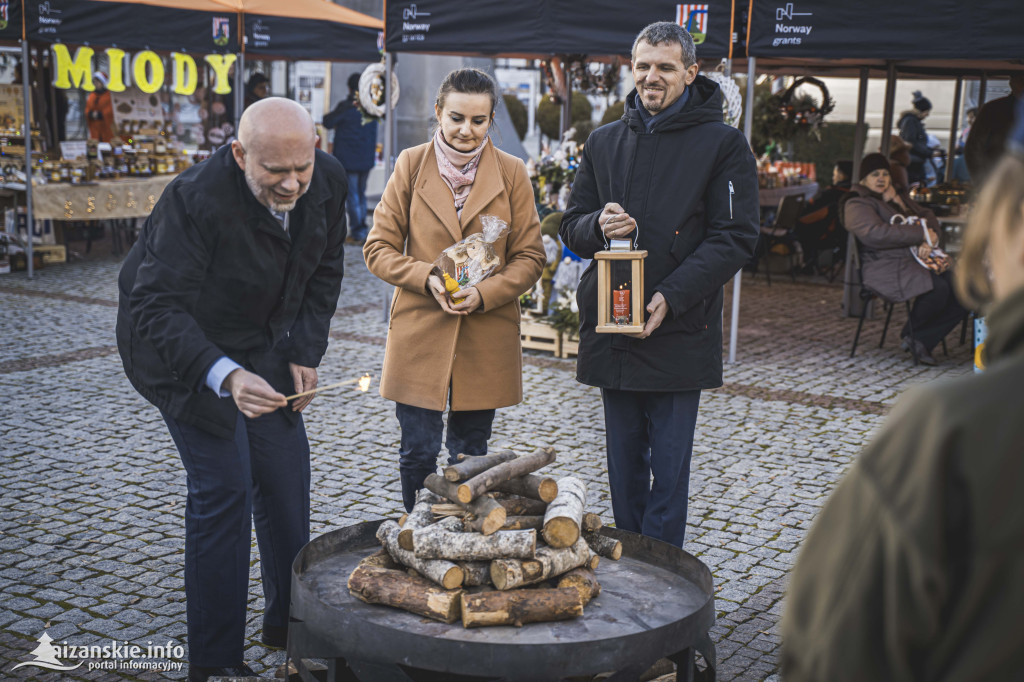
(479, 354)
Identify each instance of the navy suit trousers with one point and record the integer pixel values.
(650, 432)
(261, 478)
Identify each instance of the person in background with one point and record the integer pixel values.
(443, 351)
(355, 145)
(99, 110)
(899, 163)
(224, 309)
(912, 570)
(912, 131)
(987, 141)
(875, 212)
(818, 230)
(673, 176)
(969, 117)
(256, 89)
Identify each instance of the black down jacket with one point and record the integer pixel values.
(213, 274)
(691, 185)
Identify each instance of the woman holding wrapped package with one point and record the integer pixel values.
(899, 258)
(458, 350)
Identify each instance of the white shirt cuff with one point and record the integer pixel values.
(218, 373)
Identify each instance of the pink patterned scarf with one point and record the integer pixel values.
(457, 169)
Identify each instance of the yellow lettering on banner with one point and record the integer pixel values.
(186, 76)
(148, 80)
(73, 73)
(220, 63)
(116, 58)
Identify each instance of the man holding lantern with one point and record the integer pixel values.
(682, 185)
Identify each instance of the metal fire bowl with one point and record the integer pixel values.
(656, 601)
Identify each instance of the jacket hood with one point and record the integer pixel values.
(909, 112)
(704, 106)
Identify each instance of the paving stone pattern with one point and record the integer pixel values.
(91, 530)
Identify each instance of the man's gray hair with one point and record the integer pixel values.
(668, 32)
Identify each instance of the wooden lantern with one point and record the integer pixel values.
(620, 305)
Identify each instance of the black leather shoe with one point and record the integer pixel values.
(198, 674)
(274, 636)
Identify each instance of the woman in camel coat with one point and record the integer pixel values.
(439, 353)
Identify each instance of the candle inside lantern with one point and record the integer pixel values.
(620, 305)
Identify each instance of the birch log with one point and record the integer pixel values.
(441, 572)
(469, 467)
(475, 573)
(604, 545)
(520, 607)
(376, 585)
(547, 562)
(523, 522)
(591, 522)
(535, 487)
(520, 466)
(420, 517)
(490, 516)
(379, 559)
(434, 543)
(584, 580)
(521, 506)
(565, 513)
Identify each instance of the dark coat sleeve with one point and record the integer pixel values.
(167, 287)
(579, 229)
(732, 229)
(312, 326)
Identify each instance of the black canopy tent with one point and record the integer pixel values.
(318, 30)
(541, 29)
(874, 37)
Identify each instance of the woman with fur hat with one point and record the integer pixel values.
(889, 227)
(912, 130)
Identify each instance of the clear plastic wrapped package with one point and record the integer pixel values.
(471, 260)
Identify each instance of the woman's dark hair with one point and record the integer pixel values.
(468, 82)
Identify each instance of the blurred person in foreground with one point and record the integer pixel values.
(913, 569)
(225, 305)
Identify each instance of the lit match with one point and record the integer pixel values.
(363, 384)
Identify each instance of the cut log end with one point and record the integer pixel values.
(547, 489)
(561, 532)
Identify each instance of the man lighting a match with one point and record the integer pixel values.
(225, 307)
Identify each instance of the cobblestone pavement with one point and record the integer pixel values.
(91, 531)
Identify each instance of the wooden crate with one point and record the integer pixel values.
(570, 348)
(539, 335)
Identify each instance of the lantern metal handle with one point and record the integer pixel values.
(635, 240)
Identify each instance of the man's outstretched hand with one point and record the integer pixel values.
(252, 394)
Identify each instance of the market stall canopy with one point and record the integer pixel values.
(308, 29)
(173, 25)
(940, 30)
(541, 28)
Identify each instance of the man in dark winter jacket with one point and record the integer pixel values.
(355, 145)
(674, 171)
(225, 306)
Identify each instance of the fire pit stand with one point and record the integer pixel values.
(657, 601)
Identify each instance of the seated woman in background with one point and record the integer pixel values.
(912, 569)
(899, 162)
(889, 226)
(818, 229)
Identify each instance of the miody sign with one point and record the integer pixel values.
(145, 70)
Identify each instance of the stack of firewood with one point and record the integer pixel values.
(469, 548)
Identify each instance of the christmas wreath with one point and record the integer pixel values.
(803, 111)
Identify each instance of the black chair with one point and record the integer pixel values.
(866, 296)
(780, 233)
